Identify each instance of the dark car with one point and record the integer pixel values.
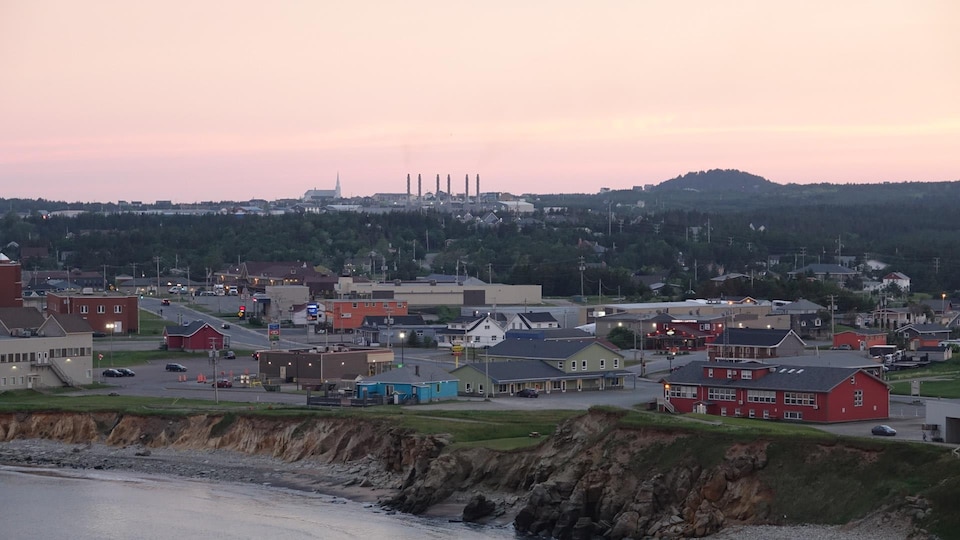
(127, 372)
(223, 383)
(112, 373)
(165, 302)
(176, 367)
(230, 355)
(225, 326)
(528, 392)
(883, 430)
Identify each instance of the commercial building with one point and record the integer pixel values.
(105, 313)
(38, 351)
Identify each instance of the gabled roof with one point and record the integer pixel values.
(862, 332)
(896, 276)
(519, 370)
(801, 305)
(12, 318)
(783, 377)
(542, 350)
(548, 333)
(187, 330)
(71, 324)
(927, 328)
(407, 375)
(538, 316)
(753, 337)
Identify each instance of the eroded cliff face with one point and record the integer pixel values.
(594, 477)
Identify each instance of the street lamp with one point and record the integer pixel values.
(110, 327)
(402, 336)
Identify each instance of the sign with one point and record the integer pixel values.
(457, 350)
(273, 331)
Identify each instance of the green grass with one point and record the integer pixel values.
(944, 389)
(948, 369)
(33, 401)
(136, 358)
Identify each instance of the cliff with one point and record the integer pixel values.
(598, 475)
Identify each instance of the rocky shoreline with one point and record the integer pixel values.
(359, 481)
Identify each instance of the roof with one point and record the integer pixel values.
(530, 370)
(72, 324)
(754, 337)
(408, 375)
(926, 328)
(863, 332)
(187, 330)
(20, 317)
(538, 316)
(786, 377)
(541, 350)
(802, 305)
(548, 333)
(398, 320)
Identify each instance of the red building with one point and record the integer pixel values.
(194, 337)
(859, 340)
(777, 392)
(11, 283)
(347, 315)
(99, 310)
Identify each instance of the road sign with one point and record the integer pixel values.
(273, 331)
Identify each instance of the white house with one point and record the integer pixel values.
(532, 321)
(899, 279)
(474, 332)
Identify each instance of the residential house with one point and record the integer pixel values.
(473, 332)
(384, 330)
(743, 344)
(825, 272)
(898, 279)
(923, 335)
(860, 339)
(809, 326)
(421, 384)
(531, 320)
(891, 318)
(777, 392)
(196, 336)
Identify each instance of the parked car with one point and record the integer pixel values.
(165, 302)
(230, 355)
(225, 326)
(528, 392)
(176, 367)
(883, 430)
(112, 373)
(223, 383)
(126, 372)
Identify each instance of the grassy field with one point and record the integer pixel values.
(939, 379)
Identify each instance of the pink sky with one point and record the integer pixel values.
(106, 100)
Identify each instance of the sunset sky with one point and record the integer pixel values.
(105, 100)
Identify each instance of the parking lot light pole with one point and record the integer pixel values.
(402, 336)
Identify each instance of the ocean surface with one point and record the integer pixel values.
(102, 505)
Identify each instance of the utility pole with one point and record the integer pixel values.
(489, 273)
(582, 267)
(833, 317)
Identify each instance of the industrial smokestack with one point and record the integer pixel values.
(478, 188)
(419, 188)
(437, 192)
(408, 185)
(448, 187)
(466, 189)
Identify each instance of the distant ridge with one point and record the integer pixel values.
(719, 180)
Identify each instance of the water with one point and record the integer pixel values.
(102, 505)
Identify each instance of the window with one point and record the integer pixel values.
(722, 394)
(573, 365)
(555, 385)
(746, 374)
(616, 363)
(101, 309)
(798, 398)
(84, 310)
(766, 414)
(792, 415)
(678, 391)
(731, 373)
(710, 372)
(480, 389)
(752, 413)
(118, 309)
(468, 387)
(583, 365)
(603, 363)
(723, 411)
(761, 396)
(858, 398)
(502, 388)
(737, 413)
(560, 365)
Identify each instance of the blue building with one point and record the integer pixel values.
(410, 384)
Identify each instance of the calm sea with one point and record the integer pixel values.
(82, 505)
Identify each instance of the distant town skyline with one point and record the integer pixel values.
(113, 100)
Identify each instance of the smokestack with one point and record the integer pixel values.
(408, 186)
(448, 187)
(466, 189)
(419, 188)
(478, 188)
(437, 192)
